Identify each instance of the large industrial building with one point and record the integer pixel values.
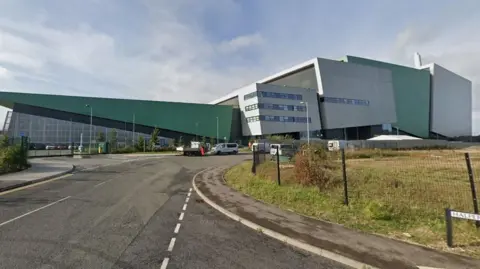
(357, 98)
(351, 98)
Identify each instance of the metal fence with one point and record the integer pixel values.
(44, 131)
(426, 181)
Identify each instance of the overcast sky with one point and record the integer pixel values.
(198, 50)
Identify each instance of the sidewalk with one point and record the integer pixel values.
(40, 170)
(327, 239)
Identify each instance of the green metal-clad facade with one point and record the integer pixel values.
(189, 118)
(412, 95)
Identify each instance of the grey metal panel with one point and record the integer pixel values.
(451, 113)
(356, 82)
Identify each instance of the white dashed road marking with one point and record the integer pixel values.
(164, 263)
(177, 229)
(172, 244)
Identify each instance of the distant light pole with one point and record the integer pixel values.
(217, 131)
(308, 123)
(91, 121)
(196, 131)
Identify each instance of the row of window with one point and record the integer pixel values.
(272, 95)
(345, 101)
(275, 107)
(279, 119)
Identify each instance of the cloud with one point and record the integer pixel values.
(4, 73)
(241, 42)
(196, 51)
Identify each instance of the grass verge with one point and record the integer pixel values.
(398, 194)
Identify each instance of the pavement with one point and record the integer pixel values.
(40, 170)
(326, 239)
(133, 213)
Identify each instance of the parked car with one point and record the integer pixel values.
(48, 147)
(225, 148)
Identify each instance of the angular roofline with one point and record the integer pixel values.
(280, 74)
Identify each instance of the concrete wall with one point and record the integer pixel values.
(412, 95)
(274, 127)
(365, 92)
(451, 113)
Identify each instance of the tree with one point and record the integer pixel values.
(180, 142)
(140, 143)
(154, 138)
(212, 141)
(113, 138)
(4, 142)
(171, 143)
(204, 140)
(100, 137)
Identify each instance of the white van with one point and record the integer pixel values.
(261, 147)
(225, 148)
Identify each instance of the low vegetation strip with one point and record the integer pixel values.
(13, 158)
(400, 194)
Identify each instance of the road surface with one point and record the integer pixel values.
(140, 214)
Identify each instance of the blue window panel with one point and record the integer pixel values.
(346, 101)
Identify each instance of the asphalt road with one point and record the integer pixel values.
(140, 214)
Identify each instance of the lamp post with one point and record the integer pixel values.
(217, 131)
(196, 131)
(308, 123)
(90, 137)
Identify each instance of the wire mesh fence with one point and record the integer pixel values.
(421, 181)
(54, 137)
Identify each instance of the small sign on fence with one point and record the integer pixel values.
(449, 214)
(462, 215)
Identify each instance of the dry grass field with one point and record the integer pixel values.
(401, 194)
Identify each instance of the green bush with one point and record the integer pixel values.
(12, 159)
(315, 166)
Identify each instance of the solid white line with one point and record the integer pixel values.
(181, 216)
(164, 263)
(100, 184)
(288, 240)
(177, 228)
(184, 207)
(186, 200)
(33, 211)
(172, 243)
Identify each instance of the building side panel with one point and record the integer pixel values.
(305, 78)
(174, 116)
(276, 120)
(412, 95)
(451, 103)
(355, 95)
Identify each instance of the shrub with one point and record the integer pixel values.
(13, 159)
(315, 166)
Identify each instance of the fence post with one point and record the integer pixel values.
(254, 165)
(472, 186)
(278, 165)
(345, 182)
(448, 226)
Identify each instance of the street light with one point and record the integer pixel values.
(217, 131)
(196, 131)
(90, 137)
(308, 123)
